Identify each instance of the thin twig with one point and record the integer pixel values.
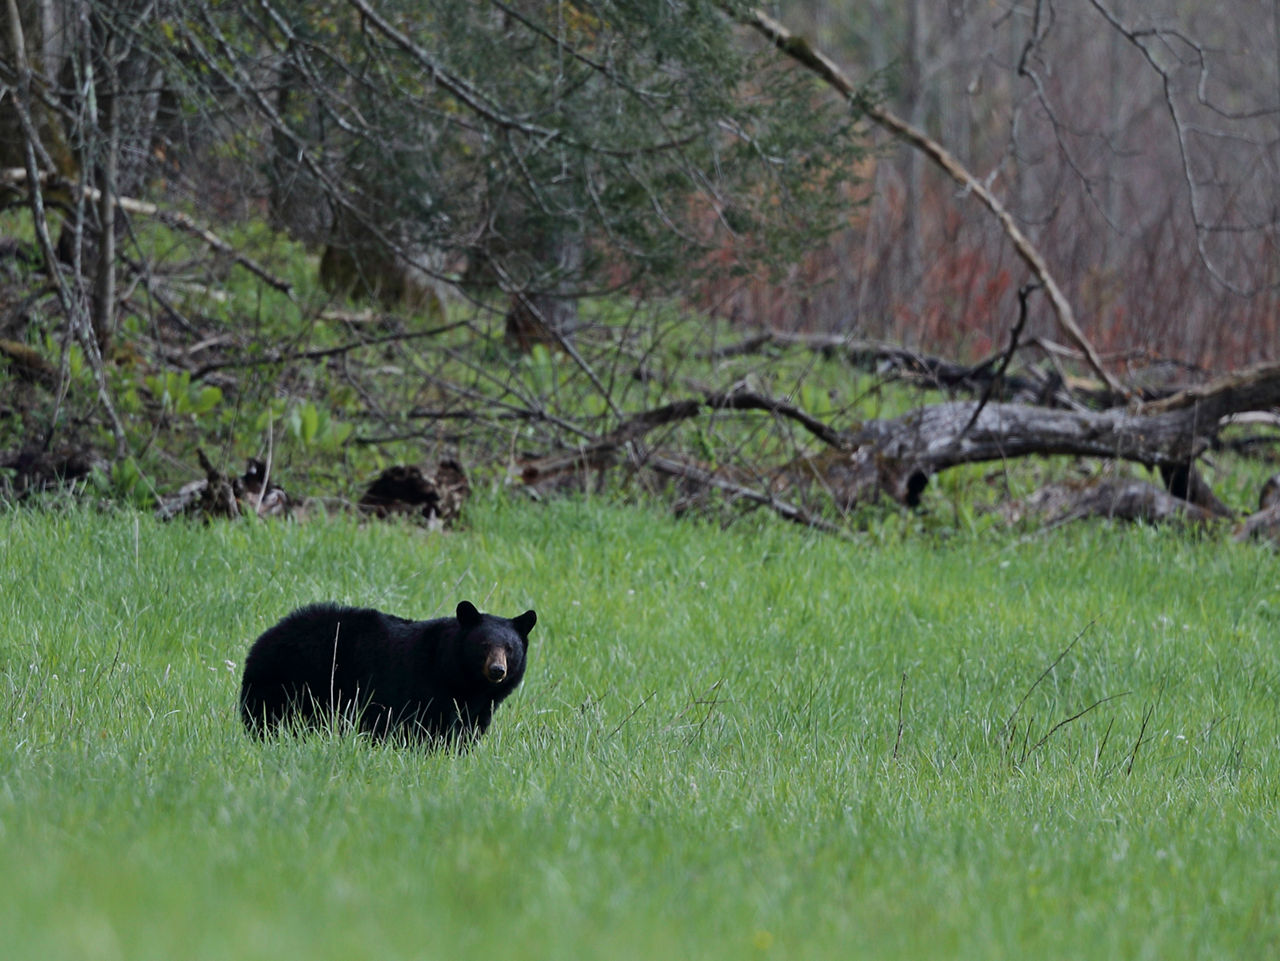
(1067, 720)
(1023, 293)
(1102, 745)
(1045, 673)
(278, 357)
(902, 693)
(635, 710)
(740, 398)
(710, 699)
(266, 471)
(1133, 752)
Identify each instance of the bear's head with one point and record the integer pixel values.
(493, 648)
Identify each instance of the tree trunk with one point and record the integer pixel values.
(48, 35)
(103, 312)
(548, 313)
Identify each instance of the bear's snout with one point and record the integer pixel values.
(495, 666)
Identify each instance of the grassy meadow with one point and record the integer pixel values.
(739, 743)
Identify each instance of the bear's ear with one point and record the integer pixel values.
(468, 616)
(524, 623)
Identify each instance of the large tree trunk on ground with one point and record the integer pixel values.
(896, 457)
(1127, 499)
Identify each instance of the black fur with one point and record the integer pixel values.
(430, 680)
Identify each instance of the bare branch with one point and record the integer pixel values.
(281, 357)
(17, 177)
(799, 49)
(1140, 39)
(706, 478)
(1254, 388)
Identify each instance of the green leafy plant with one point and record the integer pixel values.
(176, 394)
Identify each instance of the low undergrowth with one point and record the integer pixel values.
(330, 393)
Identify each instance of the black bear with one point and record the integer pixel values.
(433, 681)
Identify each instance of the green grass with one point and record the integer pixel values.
(704, 760)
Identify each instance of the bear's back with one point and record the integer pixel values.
(317, 635)
(321, 656)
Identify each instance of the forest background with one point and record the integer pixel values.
(524, 237)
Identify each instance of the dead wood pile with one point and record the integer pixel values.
(895, 458)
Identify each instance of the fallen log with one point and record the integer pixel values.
(1152, 378)
(1251, 389)
(1123, 499)
(1262, 525)
(896, 457)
